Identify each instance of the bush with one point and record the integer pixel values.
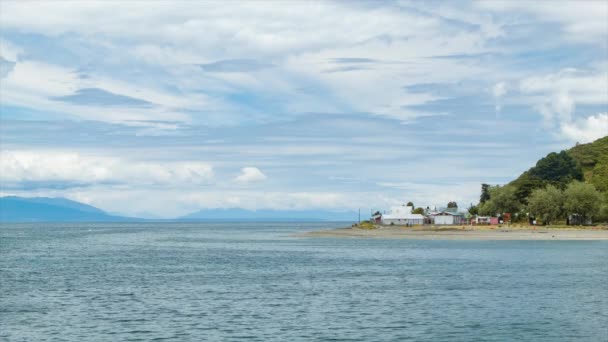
(502, 200)
(546, 204)
(582, 199)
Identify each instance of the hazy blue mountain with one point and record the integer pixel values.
(44, 209)
(62, 202)
(237, 214)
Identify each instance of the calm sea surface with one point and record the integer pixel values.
(255, 282)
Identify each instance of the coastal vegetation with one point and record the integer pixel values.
(365, 225)
(419, 210)
(571, 184)
(547, 203)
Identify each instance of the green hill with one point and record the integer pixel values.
(565, 171)
(44, 209)
(584, 162)
(593, 160)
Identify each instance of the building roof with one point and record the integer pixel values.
(446, 213)
(402, 213)
(403, 217)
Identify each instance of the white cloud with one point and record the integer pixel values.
(301, 48)
(154, 53)
(555, 96)
(300, 39)
(40, 80)
(146, 93)
(557, 107)
(17, 167)
(246, 27)
(37, 85)
(589, 87)
(170, 203)
(586, 130)
(580, 20)
(499, 89)
(9, 51)
(250, 175)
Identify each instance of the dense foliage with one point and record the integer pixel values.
(582, 199)
(485, 193)
(593, 159)
(556, 169)
(561, 184)
(418, 211)
(546, 204)
(502, 200)
(473, 209)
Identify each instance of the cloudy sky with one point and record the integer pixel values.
(163, 108)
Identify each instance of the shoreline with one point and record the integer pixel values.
(595, 233)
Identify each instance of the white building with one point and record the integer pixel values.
(483, 220)
(402, 216)
(447, 218)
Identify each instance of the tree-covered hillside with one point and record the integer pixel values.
(580, 173)
(593, 159)
(584, 162)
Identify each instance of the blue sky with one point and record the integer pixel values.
(163, 108)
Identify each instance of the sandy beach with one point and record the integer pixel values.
(465, 233)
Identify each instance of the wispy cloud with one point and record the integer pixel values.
(153, 99)
(100, 97)
(250, 175)
(39, 169)
(236, 65)
(6, 66)
(586, 130)
(353, 60)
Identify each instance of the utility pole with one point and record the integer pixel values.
(359, 215)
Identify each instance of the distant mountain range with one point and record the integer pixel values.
(44, 209)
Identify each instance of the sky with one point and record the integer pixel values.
(159, 109)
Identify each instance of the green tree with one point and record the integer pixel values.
(410, 204)
(582, 199)
(558, 169)
(418, 211)
(502, 200)
(485, 193)
(488, 208)
(603, 215)
(593, 159)
(452, 205)
(546, 203)
(473, 209)
(599, 177)
(524, 186)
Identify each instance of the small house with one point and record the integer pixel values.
(482, 220)
(448, 218)
(402, 215)
(376, 218)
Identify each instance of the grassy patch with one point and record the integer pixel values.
(366, 225)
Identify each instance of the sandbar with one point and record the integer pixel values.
(465, 233)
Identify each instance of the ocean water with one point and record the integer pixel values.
(256, 282)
